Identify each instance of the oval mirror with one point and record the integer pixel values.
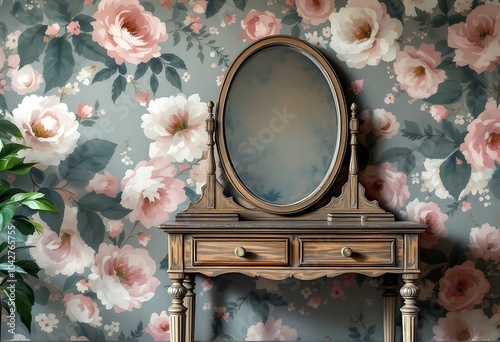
(281, 125)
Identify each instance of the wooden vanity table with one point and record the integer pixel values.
(299, 231)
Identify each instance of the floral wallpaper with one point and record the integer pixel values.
(111, 97)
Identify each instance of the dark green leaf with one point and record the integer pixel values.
(97, 202)
(115, 213)
(140, 71)
(58, 63)
(439, 20)
(23, 307)
(401, 155)
(104, 74)
(240, 4)
(459, 74)
(455, 19)
(71, 281)
(495, 183)
(433, 256)
(442, 46)
(371, 330)
(259, 307)
(42, 295)
(91, 333)
(291, 18)
(444, 5)
(3, 102)
(29, 266)
(8, 128)
(455, 173)
(153, 82)
(91, 227)
(477, 95)
(88, 158)
(24, 225)
(26, 16)
(395, 8)
(296, 31)
(174, 60)
(85, 22)
(86, 47)
(62, 10)
(119, 86)
(7, 211)
(173, 77)
(177, 38)
(452, 132)
(436, 147)
(448, 92)
(122, 69)
(3, 31)
(31, 44)
(457, 254)
(53, 221)
(164, 263)
(155, 65)
(213, 7)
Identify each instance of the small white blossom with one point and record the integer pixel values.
(186, 76)
(112, 328)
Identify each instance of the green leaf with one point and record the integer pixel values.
(122, 69)
(3, 102)
(213, 7)
(91, 227)
(176, 37)
(457, 254)
(115, 213)
(155, 65)
(23, 306)
(173, 77)
(119, 86)
(71, 281)
(104, 74)
(58, 63)
(8, 128)
(395, 8)
(11, 149)
(296, 31)
(23, 196)
(24, 225)
(42, 295)
(477, 96)
(62, 10)
(403, 156)
(240, 4)
(439, 20)
(259, 307)
(140, 71)
(97, 202)
(53, 221)
(86, 47)
(291, 18)
(85, 22)
(452, 132)
(3, 31)
(88, 158)
(7, 211)
(495, 183)
(448, 92)
(153, 82)
(29, 266)
(455, 173)
(436, 146)
(455, 19)
(174, 60)
(31, 44)
(148, 6)
(26, 16)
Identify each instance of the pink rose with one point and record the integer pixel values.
(144, 239)
(462, 287)
(258, 25)
(25, 80)
(123, 277)
(194, 22)
(74, 28)
(198, 175)
(142, 98)
(385, 184)
(199, 6)
(431, 215)
(272, 330)
(114, 228)
(152, 191)
(357, 86)
(314, 302)
(416, 70)
(127, 31)
(106, 184)
(64, 253)
(85, 111)
(80, 308)
(380, 122)
(481, 146)
(484, 242)
(13, 61)
(466, 325)
(159, 326)
(53, 30)
(47, 127)
(314, 12)
(477, 41)
(439, 112)
(364, 34)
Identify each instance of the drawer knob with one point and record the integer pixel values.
(240, 251)
(346, 252)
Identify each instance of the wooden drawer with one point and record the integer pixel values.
(347, 252)
(208, 251)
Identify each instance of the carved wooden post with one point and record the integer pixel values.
(409, 311)
(190, 304)
(390, 306)
(210, 126)
(353, 164)
(177, 310)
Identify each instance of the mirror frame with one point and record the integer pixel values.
(342, 130)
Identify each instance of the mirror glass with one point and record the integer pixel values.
(281, 127)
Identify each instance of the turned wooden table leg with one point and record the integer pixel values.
(177, 310)
(190, 304)
(390, 306)
(409, 311)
